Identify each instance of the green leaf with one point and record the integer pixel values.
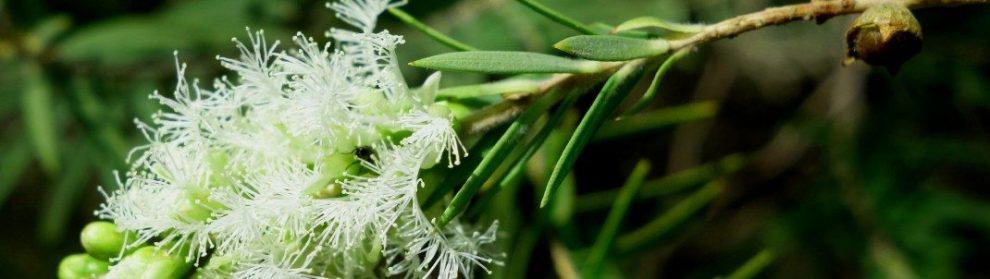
(187, 25)
(505, 145)
(461, 172)
(123, 41)
(429, 31)
(61, 199)
(39, 118)
(519, 163)
(657, 119)
(42, 35)
(656, 23)
(651, 92)
(612, 48)
(613, 92)
(213, 22)
(602, 28)
(667, 185)
(753, 266)
(522, 84)
(506, 62)
(606, 237)
(89, 110)
(14, 160)
(557, 16)
(663, 225)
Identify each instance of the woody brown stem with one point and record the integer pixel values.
(729, 28)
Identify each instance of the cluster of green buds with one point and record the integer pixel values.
(104, 245)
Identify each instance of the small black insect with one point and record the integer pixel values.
(365, 153)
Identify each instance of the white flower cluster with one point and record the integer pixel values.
(305, 166)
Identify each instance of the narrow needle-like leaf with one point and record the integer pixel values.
(14, 160)
(657, 119)
(606, 237)
(491, 161)
(506, 62)
(652, 22)
(670, 184)
(651, 92)
(611, 47)
(563, 263)
(523, 84)
(558, 17)
(62, 199)
(613, 92)
(39, 118)
(429, 31)
(661, 227)
(754, 265)
(458, 174)
(519, 164)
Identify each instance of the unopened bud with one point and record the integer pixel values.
(884, 35)
(102, 240)
(150, 262)
(81, 266)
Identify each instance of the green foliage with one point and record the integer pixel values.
(505, 62)
(433, 33)
(63, 197)
(612, 48)
(557, 16)
(123, 41)
(514, 85)
(605, 239)
(517, 165)
(662, 226)
(656, 24)
(15, 158)
(39, 119)
(127, 40)
(651, 92)
(613, 92)
(668, 185)
(753, 266)
(500, 151)
(657, 119)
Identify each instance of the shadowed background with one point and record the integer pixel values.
(842, 171)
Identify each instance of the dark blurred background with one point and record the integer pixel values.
(849, 172)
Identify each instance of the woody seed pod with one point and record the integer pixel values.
(884, 35)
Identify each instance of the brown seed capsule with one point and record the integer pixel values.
(885, 35)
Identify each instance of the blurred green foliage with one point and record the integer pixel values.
(849, 172)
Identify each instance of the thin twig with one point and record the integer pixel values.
(729, 28)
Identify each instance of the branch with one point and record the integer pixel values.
(815, 10)
(819, 10)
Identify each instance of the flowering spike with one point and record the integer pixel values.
(235, 172)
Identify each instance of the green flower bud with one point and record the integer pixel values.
(81, 266)
(884, 35)
(102, 240)
(151, 263)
